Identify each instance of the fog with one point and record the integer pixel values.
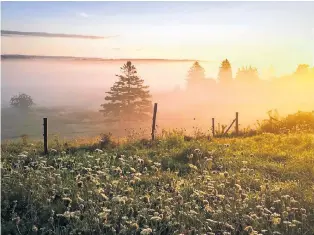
(83, 84)
(79, 83)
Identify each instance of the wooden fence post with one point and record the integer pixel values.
(237, 124)
(154, 122)
(213, 126)
(45, 136)
(229, 127)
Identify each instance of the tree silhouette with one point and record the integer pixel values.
(247, 74)
(22, 101)
(225, 72)
(196, 75)
(128, 99)
(303, 69)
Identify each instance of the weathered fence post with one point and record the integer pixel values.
(45, 136)
(154, 122)
(237, 124)
(213, 126)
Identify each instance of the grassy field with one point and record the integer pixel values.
(255, 185)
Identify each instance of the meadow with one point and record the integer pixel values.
(263, 184)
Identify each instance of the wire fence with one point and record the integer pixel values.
(35, 130)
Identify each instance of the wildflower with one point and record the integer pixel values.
(229, 226)
(170, 199)
(80, 199)
(238, 186)
(102, 215)
(146, 199)
(243, 196)
(137, 179)
(285, 197)
(156, 218)
(205, 202)
(140, 161)
(146, 231)
(22, 155)
(67, 201)
(248, 229)
(34, 228)
(293, 201)
(213, 222)
(296, 222)
(276, 220)
(193, 167)
(193, 212)
(104, 197)
(134, 226)
(157, 164)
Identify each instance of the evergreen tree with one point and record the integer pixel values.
(303, 69)
(196, 75)
(128, 99)
(225, 72)
(247, 74)
(196, 72)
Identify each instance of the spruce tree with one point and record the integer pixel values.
(196, 75)
(196, 72)
(225, 72)
(247, 75)
(128, 99)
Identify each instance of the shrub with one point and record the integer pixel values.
(22, 101)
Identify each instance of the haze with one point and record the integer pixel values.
(274, 37)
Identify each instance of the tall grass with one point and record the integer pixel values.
(262, 184)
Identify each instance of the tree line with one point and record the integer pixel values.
(129, 99)
(247, 74)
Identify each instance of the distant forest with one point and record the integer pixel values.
(28, 57)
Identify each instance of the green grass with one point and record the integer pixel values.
(64, 122)
(255, 185)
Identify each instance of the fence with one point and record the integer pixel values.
(94, 130)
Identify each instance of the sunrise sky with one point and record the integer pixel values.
(259, 33)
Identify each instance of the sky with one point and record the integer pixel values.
(262, 34)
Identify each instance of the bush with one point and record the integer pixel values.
(107, 141)
(22, 101)
(300, 121)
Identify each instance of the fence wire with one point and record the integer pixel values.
(88, 129)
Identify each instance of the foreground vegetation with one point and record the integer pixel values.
(177, 185)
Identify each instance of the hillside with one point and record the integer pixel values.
(257, 185)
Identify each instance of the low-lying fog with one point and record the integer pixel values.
(83, 84)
